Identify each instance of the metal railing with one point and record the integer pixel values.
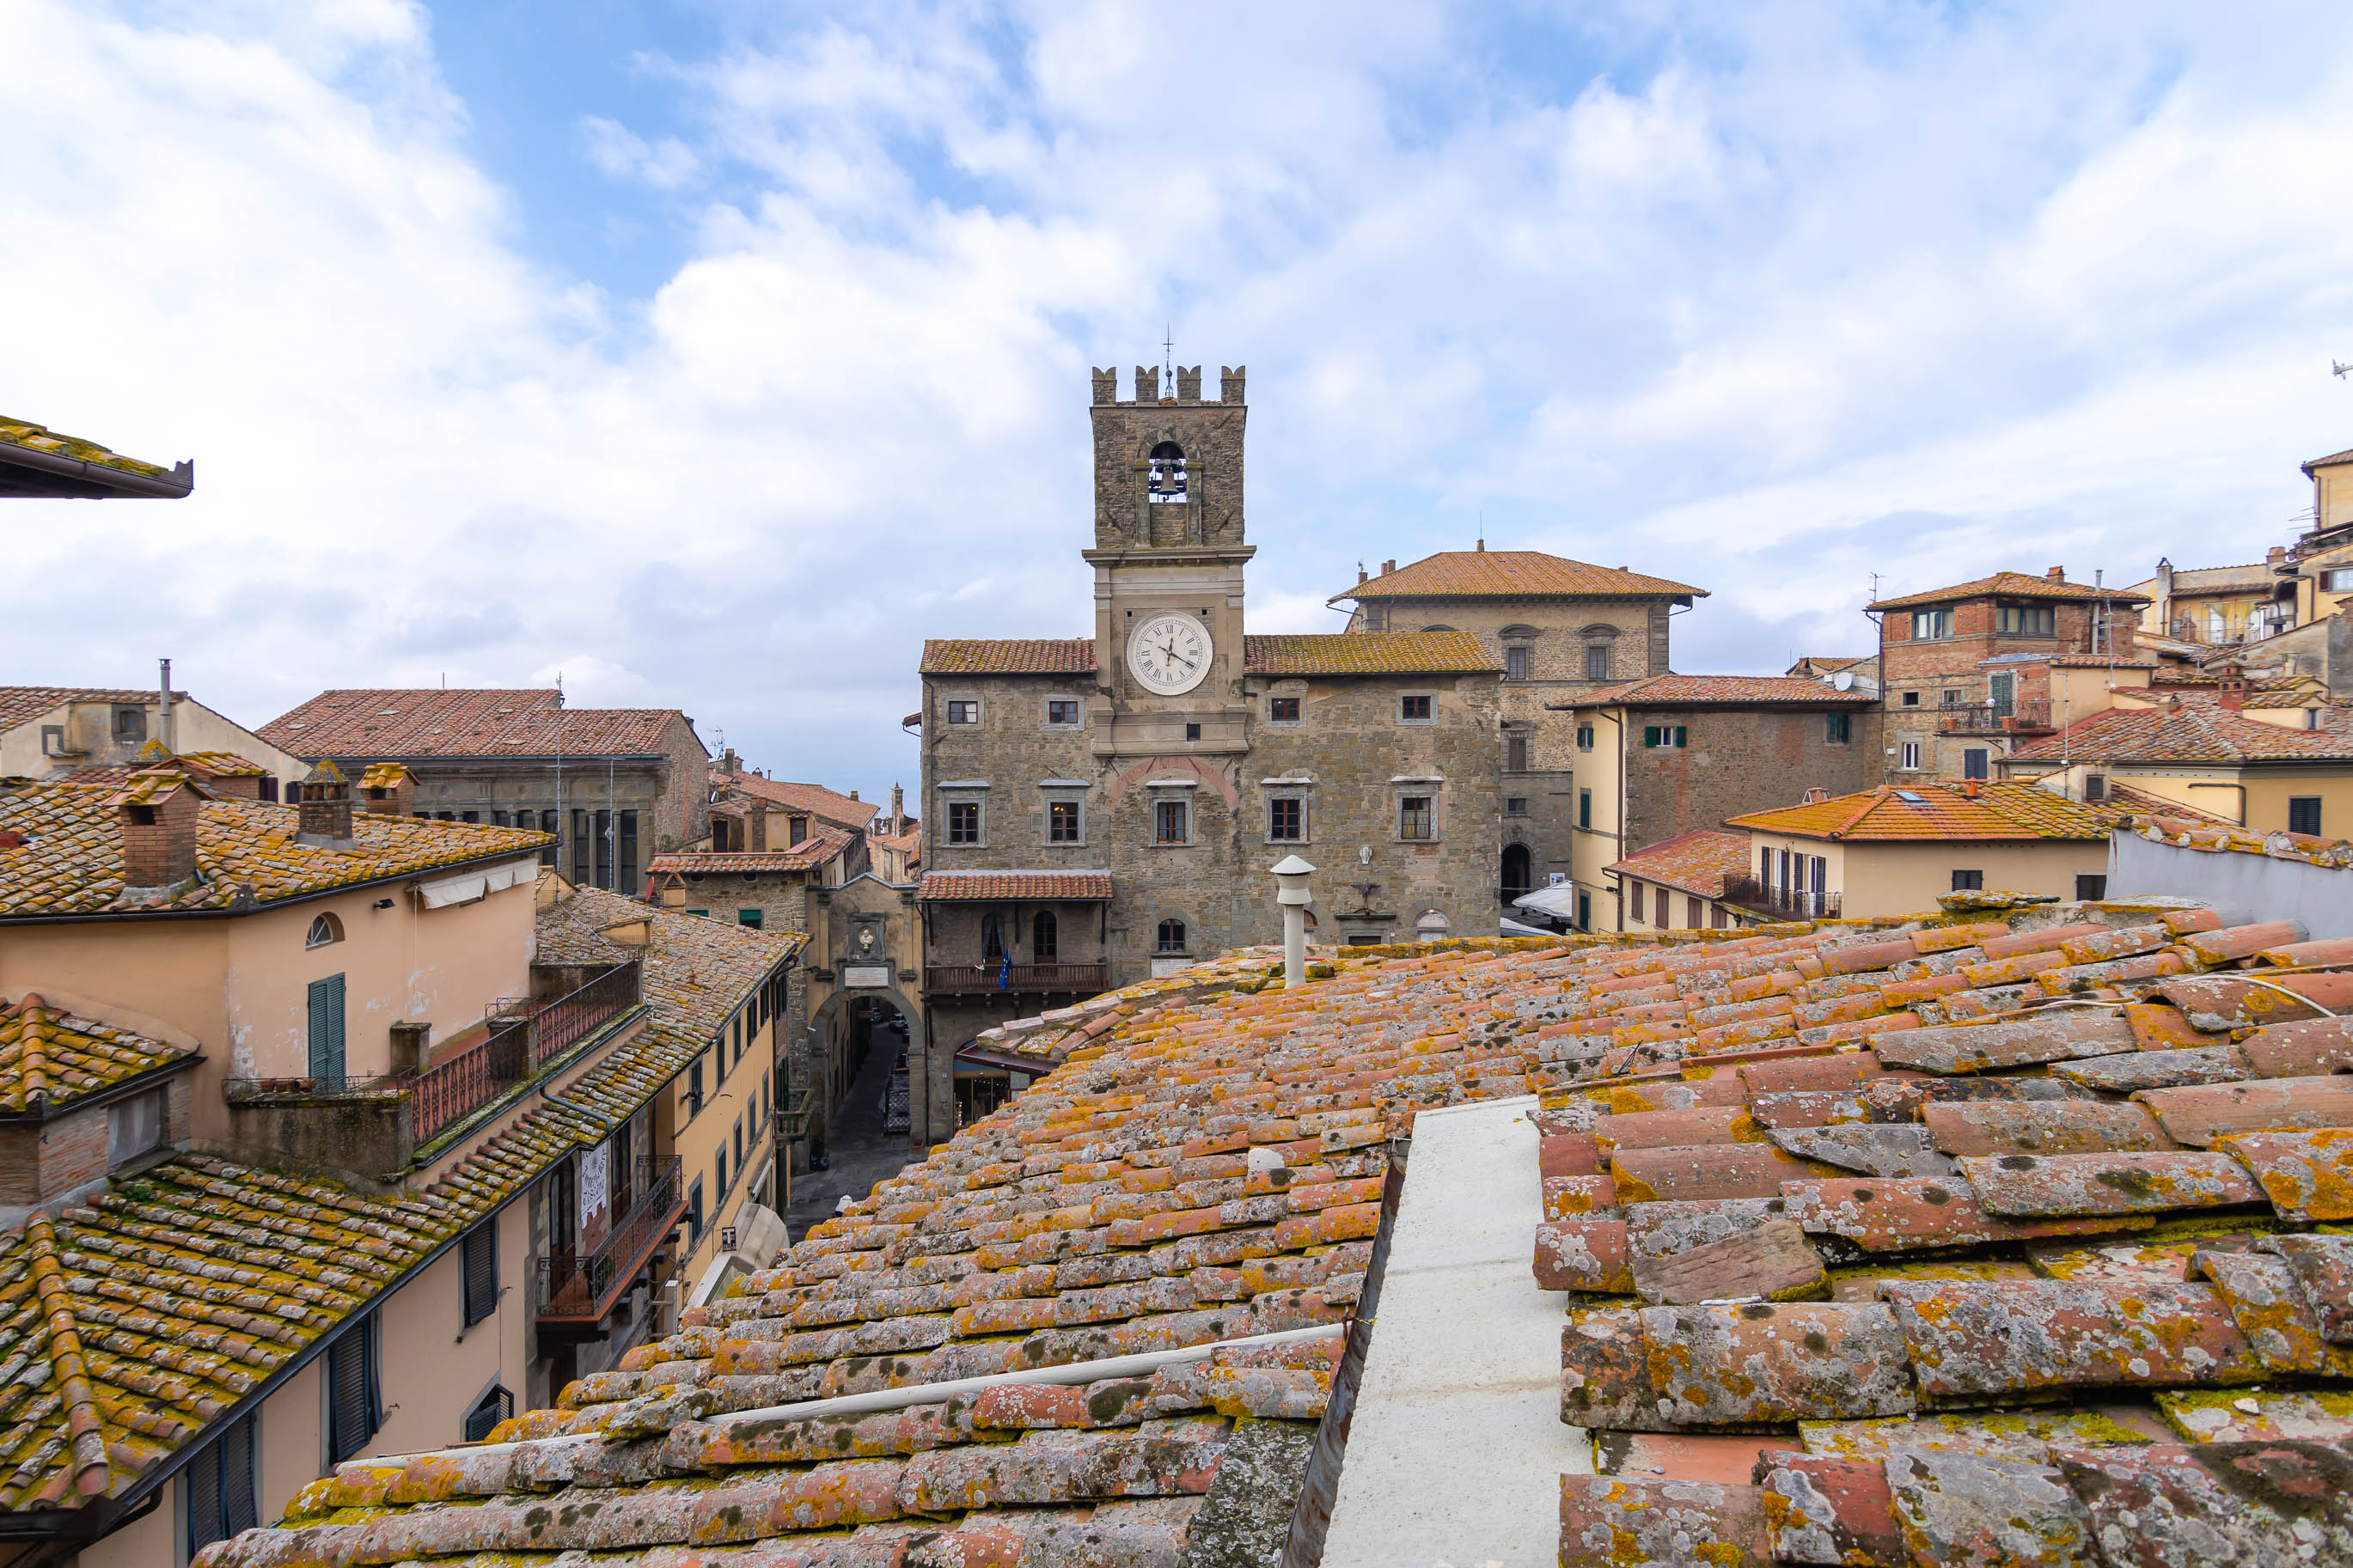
(578, 1287)
(316, 1086)
(974, 979)
(1796, 904)
(1991, 719)
(523, 1038)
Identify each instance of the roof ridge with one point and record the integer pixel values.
(92, 1474)
(1869, 804)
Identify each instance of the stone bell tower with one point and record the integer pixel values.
(1169, 542)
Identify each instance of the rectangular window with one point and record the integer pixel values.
(1968, 881)
(1667, 736)
(1585, 808)
(268, 788)
(499, 819)
(1715, 917)
(2024, 620)
(1515, 664)
(2304, 813)
(355, 1402)
(626, 851)
(2337, 580)
(220, 1482)
(495, 1406)
(694, 1213)
(1597, 662)
(751, 918)
(739, 1143)
(964, 822)
(1635, 900)
(719, 1173)
(964, 711)
(694, 1087)
(479, 1253)
(1838, 729)
(2095, 787)
(53, 741)
(131, 723)
(547, 825)
(1817, 874)
(1585, 737)
(1282, 709)
(1414, 821)
(1932, 624)
(1515, 806)
(1169, 822)
(2091, 885)
(1692, 907)
(1063, 711)
(135, 1125)
(584, 857)
(795, 830)
(1413, 708)
(1286, 819)
(1192, 732)
(326, 1035)
(1063, 822)
(1911, 756)
(1973, 763)
(1911, 700)
(1515, 753)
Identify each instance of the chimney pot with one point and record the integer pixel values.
(323, 809)
(2277, 553)
(1361, 573)
(2057, 573)
(1389, 566)
(387, 789)
(157, 812)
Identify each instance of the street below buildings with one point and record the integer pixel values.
(862, 1151)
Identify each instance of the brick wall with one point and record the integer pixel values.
(1927, 681)
(1737, 760)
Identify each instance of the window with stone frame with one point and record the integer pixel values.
(1169, 938)
(964, 822)
(1169, 821)
(1416, 821)
(1282, 709)
(964, 711)
(1597, 661)
(1286, 819)
(1414, 707)
(1064, 823)
(1062, 712)
(1515, 753)
(1515, 662)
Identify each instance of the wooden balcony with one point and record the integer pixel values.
(577, 1291)
(1016, 979)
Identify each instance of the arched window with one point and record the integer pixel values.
(1043, 936)
(1172, 937)
(1169, 481)
(1438, 628)
(1518, 870)
(992, 937)
(324, 929)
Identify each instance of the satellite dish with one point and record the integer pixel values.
(1844, 680)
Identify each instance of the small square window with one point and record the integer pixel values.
(751, 918)
(964, 822)
(1974, 763)
(1169, 822)
(1911, 700)
(1515, 806)
(2304, 813)
(131, 723)
(2095, 787)
(1063, 711)
(1952, 698)
(1192, 732)
(1968, 881)
(1282, 709)
(2091, 886)
(1063, 822)
(1286, 820)
(1414, 708)
(1838, 728)
(1415, 819)
(964, 711)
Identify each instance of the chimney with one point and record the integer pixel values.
(1388, 567)
(755, 817)
(170, 740)
(1970, 788)
(1361, 573)
(2233, 694)
(387, 789)
(2057, 573)
(2276, 556)
(156, 813)
(897, 811)
(729, 763)
(854, 795)
(324, 801)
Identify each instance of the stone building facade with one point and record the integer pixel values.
(1174, 757)
(615, 785)
(1949, 686)
(1558, 629)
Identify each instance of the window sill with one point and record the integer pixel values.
(1288, 843)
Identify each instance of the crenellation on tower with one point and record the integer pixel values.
(1188, 383)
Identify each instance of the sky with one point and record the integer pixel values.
(711, 355)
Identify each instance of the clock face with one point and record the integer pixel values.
(1170, 654)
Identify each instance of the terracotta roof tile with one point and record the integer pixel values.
(1695, 862)
(1512, 574)
(2191, 727)
(1735, 690)
(815, 850)
(815, 799)
(961, 886)
(2011, 585)
(20, 704)
(40, 438)
(49, 1058)
(68, 859)
(430, 724)
(1368, 653)
(1009, 655)
(1941, 810)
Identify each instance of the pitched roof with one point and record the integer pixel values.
(1368, 653)
(36, 460)
(2255, 578)
(2011, 585)
(1512, 574)
(1008, 656)
(2022, 1284)
(2190, 726)
(2333, 459)
(19, 704)
(1942, 810)
(406, 723)
(695, 972)
(1672, 690)
(813, 851)
(956, 886)
(1695, 862)
(69, 857)
(2186, 827)
(815, 799)
(50, 1058)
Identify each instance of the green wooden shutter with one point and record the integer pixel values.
(327, 1027)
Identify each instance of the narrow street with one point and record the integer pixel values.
(862, 1151)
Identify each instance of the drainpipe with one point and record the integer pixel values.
(171, 741)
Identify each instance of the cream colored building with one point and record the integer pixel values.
(48, 732)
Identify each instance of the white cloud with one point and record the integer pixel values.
(1764, 301)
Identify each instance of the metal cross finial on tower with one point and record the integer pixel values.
(1168, 357)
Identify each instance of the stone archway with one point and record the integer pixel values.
(1518, 871)
(822, 1107)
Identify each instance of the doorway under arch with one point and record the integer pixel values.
(1519, 872)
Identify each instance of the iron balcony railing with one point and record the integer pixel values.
(1996, 718)
(524, 1037)
(577, 1288)
(975, 979)
(317, 1086)
(1789, 903)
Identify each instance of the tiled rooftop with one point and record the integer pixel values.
(465, 723)
(2190, 726)
(21, 703)
(2169, 822)
(41, 438)
(66, 856)
(694, 970)
(1673, 690)
(2011, 585)
(954, 886)
(1939, 810)
(1009, 655)
(815, 850)
(2002, 1251)
(1314, 652)
(815, 799)
(1694, 862)
(49, 1058)
(2333, 457)
(1512, 574)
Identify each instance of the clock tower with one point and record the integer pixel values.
(1168, 558)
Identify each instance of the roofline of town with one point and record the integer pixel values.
(406, 758)
(105, 916)
(182, 482)
(1684, 596)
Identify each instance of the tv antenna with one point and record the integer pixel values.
(2339, 371)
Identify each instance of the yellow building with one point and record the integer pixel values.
(2215, 606)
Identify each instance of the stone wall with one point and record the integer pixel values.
(1928, 681)
(1737, 760)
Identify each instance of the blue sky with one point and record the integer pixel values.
(714, 354)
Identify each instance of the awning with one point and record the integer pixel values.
(1560, 902)
(444, 891)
